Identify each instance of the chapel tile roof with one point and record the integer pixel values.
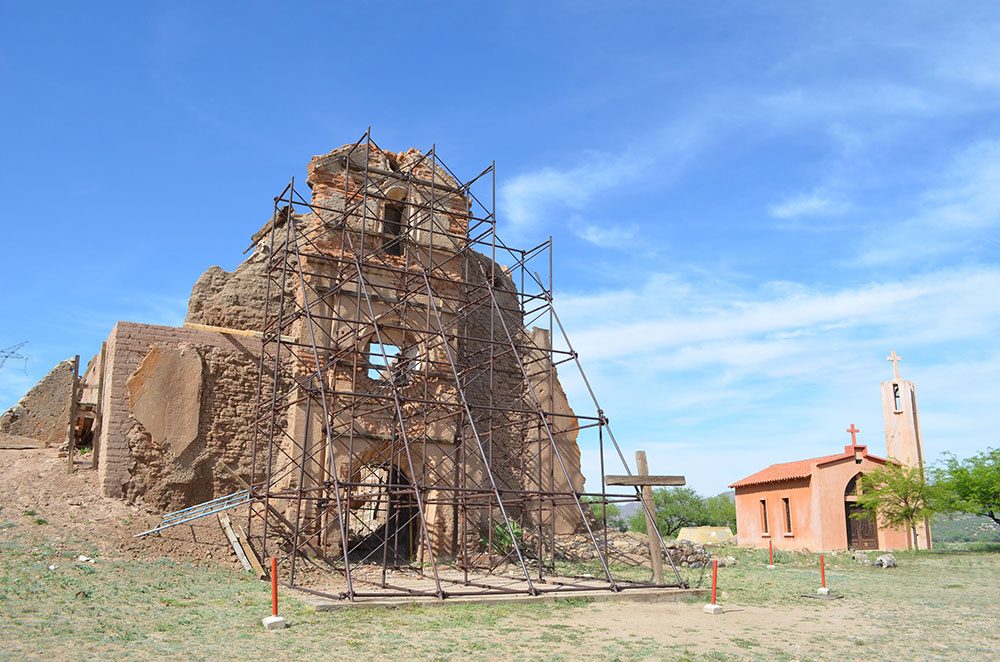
(799, 468)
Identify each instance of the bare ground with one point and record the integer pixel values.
(181, 595)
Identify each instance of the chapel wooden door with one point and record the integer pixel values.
(861, 530)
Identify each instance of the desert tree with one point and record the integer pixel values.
(680, 507)
(971, 485)
(898, 495)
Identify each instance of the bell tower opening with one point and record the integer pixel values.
(392, 223)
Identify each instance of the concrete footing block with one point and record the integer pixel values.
(712, 609)
(274, 623)
(823, 591)
(771, 567)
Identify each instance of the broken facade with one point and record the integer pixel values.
(380, 371)
(412, 344)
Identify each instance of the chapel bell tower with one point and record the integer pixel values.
(902, 428)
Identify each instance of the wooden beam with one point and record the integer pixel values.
(231, 332)
(655, 552)
(95, 446)
(227, 527)
(248, 549)
(639, 481)
(74, 395)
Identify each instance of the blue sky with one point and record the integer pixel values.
(751, 203)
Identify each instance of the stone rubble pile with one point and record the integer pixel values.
(631, 547)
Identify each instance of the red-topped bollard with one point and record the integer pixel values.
(770, 555)
(714, 608)
(274, 622)
(822, 590)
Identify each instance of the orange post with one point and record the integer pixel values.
(274, 586)
(715, 577)
(822, 571)
(770, 552)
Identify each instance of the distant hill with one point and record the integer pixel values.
(964, 528)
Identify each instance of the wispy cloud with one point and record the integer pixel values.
(815, 203)
(958, 213)
(783, 366)
(546, 194)
(604, 236)
(528, 198)
(778, 318)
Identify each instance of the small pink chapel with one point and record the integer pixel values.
(812, 504)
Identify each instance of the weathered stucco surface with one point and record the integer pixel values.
(164, 466)
(165, 396)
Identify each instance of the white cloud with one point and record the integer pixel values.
(815, 203)
(839, 100)
(658, 156)
(752, 329)
(605, 236)
(527, 198)
(952, 215)
(776, 373)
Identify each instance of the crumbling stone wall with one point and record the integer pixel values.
(233, 299)
(43, 413)
(173, 475)
(169, 472)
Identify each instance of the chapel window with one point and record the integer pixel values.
(788, 514)
(763, 514)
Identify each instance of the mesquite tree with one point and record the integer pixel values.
(898, 495)
(971, 485)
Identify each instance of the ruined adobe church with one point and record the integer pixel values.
(163, 408)
(812, 504)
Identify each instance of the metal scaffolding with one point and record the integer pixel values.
(408, 435)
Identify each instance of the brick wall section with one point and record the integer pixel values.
(229, 396)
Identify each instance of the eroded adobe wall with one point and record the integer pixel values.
(43, 412)
(178, 402)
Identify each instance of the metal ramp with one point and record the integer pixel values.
(205, 509)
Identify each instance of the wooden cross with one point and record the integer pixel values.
(854, 434)
(646, 482)
(895, 358)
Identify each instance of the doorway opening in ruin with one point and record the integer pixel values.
(83, 428)
(384, 519)
(862, 532)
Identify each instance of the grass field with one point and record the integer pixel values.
(934, 606)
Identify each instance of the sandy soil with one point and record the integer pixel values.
(75, 513)
(757, 629)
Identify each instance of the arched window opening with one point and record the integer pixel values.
(853, 488)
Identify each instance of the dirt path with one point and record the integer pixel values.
(751, 630)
